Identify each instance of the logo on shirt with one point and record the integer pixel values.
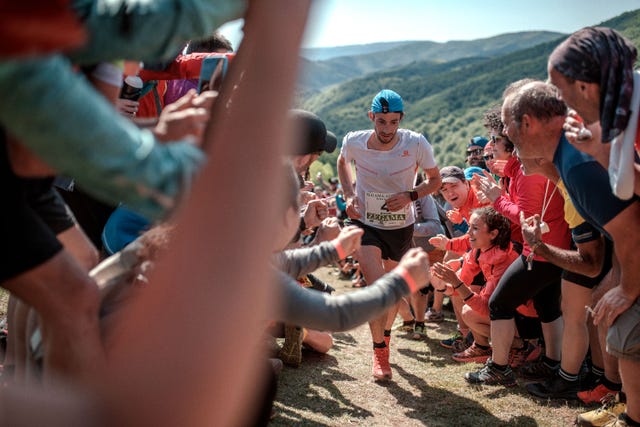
(405, 153)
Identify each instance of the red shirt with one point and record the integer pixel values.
(527, 194)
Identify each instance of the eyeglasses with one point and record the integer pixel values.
(476, 152)
(488, 157)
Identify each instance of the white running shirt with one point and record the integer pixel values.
(380, 174)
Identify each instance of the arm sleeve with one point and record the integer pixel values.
(325, 312)
(59, 116)
(148, 30)
(530, 195)
(298, 262)
(426, 159)
(459, 245)
(344, 149)
(470, 268)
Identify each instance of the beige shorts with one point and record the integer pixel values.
(623, 338)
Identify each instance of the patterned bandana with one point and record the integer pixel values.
(603, 56)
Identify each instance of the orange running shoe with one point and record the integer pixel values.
(381, 368)
(595, 395)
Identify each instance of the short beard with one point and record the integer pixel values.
(383, 142)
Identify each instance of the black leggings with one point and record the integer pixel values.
(518, 285)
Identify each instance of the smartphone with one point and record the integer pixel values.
(212, 71)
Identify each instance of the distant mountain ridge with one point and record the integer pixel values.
(325, 53)
(318, 75)
(443, 100)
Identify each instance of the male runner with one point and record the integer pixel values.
(386, 161)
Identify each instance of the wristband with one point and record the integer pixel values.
(411, 284)
(339, 249)
(459, 284)
(440, 290)
(413, 195)
(467, 297)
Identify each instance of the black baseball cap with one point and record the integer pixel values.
(313, 136)
(452, 174)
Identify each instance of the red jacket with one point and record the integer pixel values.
(493, 263)
(527, 194)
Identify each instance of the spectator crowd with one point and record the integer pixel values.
(158, 185)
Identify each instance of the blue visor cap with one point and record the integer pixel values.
(387, 101)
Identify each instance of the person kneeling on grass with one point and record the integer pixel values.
(492, 252)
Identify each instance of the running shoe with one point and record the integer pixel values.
(460, 346)
(555, 388)
(473, 354)
(538, 371)
(381, 368)
(291, 351)
(407, 326)
(596, 394)
(491, 375)
(419, 332)
(621, 421)
(611, 408)
(448, 343)
(519, 356)
(434, 316)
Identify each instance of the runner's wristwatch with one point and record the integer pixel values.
(413, 194)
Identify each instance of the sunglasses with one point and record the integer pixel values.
(488, 157)
(476, 152)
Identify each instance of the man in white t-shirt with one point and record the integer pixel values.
(386, 161)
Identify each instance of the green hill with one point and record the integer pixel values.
(444, 101)
(318, 75)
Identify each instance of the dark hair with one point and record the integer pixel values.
(538, 99)
(603, 56)
(493, 119)
(496, 221)
(213, 43)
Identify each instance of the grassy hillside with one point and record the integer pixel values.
(317, 75)
(444, 101)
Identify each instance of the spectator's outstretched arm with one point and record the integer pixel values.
(148, 30)
(298, 262)
(336, 313)
(55, 113)
(206, 374)
(318, 310)
(625, 231)
(65, 122)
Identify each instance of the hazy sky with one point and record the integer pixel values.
(346, 22)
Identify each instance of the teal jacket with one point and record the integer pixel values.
(58, 115)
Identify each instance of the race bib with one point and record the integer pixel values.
(379, 215)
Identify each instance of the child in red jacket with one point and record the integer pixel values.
(491, 253)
